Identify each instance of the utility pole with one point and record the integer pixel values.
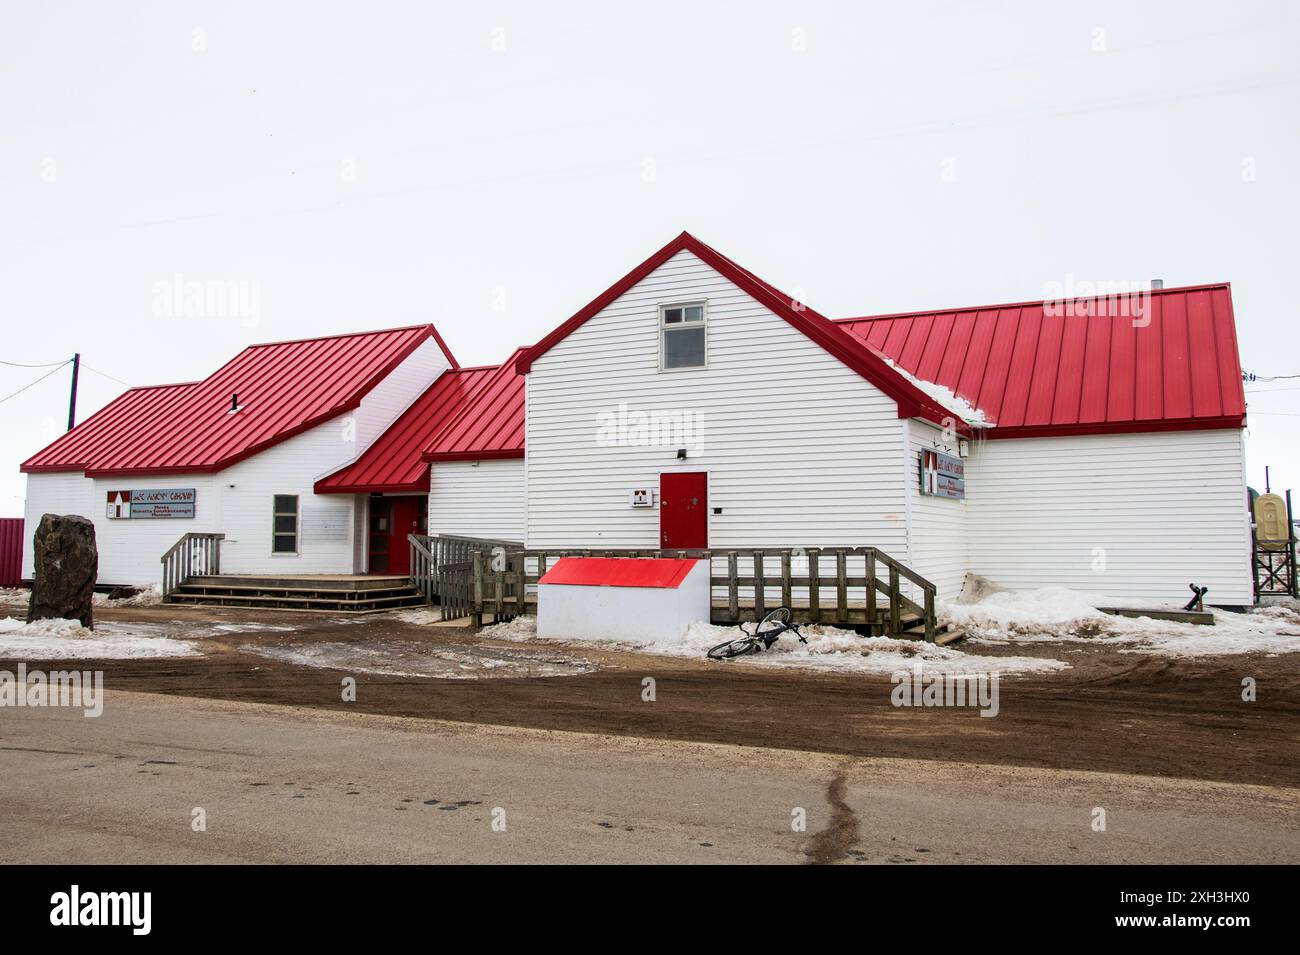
(72, 398)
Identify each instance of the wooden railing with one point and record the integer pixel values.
(442, 568)
(194, 555)
(835, 585)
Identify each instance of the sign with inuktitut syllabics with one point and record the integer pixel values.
(151, 503)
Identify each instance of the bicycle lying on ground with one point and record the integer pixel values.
(766, 633)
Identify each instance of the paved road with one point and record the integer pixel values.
(279, 784)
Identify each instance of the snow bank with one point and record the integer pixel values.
(69, 640)
(1059, 615)
(421, 616)
(148, 597)
(828, 648)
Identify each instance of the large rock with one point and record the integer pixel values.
(67, 562)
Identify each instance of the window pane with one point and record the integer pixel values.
(672, 315)
(284, 544)
(695, 313)
(286, 504)
(286, 524)
(684, 348)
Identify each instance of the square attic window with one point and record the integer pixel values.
(682, 331)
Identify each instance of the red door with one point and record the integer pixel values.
(391, 519)
(684, 510)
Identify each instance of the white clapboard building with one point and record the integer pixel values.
(1090, 443)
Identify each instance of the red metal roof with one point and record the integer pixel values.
(1163, 360)
(911, 400)
(395, 461)
(490, 425)
(659, 572)
(283, 388)
(469, 415)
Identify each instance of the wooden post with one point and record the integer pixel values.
(521, 598)
(841, 587)
(786, 599)
(871, 587)
(760, 609)
(929, 615)
(477, 585)
(894, 604)
(733, 584)
(814, 585)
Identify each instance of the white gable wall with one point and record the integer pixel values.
(1130, 516)
(939, 549)
(478, 498)
(800, 450)
(238, 501)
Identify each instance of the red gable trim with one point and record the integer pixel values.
(911, 401)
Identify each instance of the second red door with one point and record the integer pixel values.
(684, 510)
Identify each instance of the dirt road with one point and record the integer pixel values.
(283, 784)
(1111, 712)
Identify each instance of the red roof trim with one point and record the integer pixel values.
(1116, 427)
(474, 455)
(911, 400)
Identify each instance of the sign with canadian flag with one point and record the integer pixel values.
(151, 503)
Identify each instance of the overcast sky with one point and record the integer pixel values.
(492, 167)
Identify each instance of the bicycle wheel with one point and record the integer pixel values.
(775, 623)
(733, 648)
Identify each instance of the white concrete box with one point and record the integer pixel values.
(622, 598)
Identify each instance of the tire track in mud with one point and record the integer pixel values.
(832, 843)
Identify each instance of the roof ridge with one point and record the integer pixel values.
(322, 338)
(1205, 287)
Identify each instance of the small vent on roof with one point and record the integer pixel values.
(1157, 284)
(234, 403)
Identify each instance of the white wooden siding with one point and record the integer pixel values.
(799, 449)
(238, 500)
(478, 499)
(1163, 509)
(939, 548)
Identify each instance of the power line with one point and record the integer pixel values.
(36, 382)
(104, 374)
(53, 364)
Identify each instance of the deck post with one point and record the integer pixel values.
(929, 615)
(841, 586)
(477, 615)
(895, 605)
(733, 584)
(760, 610)
(814, 585)
(871, 587)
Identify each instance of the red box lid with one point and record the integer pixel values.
(619, 571)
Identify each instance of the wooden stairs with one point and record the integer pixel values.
(350, 594)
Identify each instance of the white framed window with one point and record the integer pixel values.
(284, 527)
(683, 336)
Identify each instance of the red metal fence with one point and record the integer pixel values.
(11, 551)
